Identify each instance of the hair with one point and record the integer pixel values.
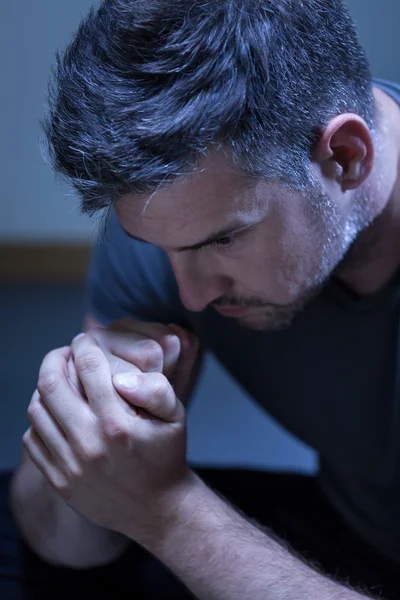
(147, 87)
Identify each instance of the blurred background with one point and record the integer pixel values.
(45, 244)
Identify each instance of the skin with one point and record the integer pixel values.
(95, 439)
(290, 243)
(129, 347)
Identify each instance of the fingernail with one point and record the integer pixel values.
(80, 335)
(172, 338)
(179, 332)
(127, 380)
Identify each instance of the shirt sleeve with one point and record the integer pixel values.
(128, 278)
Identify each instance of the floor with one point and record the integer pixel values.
(225, 426)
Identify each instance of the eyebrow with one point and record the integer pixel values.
(210, 240)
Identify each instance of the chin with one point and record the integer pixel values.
(277, 320)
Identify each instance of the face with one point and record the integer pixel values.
(256, 252)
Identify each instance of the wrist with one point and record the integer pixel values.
(171, 513)
(53, 530)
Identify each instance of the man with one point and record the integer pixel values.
(244, 142)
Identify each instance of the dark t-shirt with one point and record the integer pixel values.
(332, 378)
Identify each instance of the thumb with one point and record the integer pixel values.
(151, 392)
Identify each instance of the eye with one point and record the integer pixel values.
(224, 243)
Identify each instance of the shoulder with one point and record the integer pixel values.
(389, 87)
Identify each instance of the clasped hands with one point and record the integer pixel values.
(108, 430)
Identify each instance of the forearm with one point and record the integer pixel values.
(53, 530)
(219, 555)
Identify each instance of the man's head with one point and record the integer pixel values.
(191, 118)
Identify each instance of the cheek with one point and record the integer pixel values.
(257, 275)
(279, 274)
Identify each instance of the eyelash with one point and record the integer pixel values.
(224, 243)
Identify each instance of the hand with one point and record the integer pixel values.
(150, 347)
(118, 469)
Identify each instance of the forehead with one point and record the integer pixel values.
(211, 197)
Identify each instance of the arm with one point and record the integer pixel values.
(220, 555)
(121, 283)
(79, 543)
(40, 512)
(214, 550)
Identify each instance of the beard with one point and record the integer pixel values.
(265, 316)
(340, 243)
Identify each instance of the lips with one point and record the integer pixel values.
(232, 312)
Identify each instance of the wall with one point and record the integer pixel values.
(33, 206)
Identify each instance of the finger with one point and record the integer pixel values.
(145, 328)
(60, 397)
(94, 372)
(117, 365)
(42, 458)
(154, 331)
(152, 392)
(142, 353)
(171, 346)
(73, 377)
(157, 351)
(49, 431)
(186, 368)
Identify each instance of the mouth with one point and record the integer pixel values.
(232, 312)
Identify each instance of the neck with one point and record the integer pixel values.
(374, 257)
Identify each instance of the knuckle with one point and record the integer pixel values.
(74, 471)
(116, 431)
(48, 384)
(34, 406)
(32, 411)
(93, 455)
(99, 334)
(124, 324)
(161, 386)
(161, 330)
(152, 355)
(87, 362)
(26, 439)
(61, 485)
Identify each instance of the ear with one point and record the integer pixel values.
(345, 151)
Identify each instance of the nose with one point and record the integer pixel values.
(198, 286)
